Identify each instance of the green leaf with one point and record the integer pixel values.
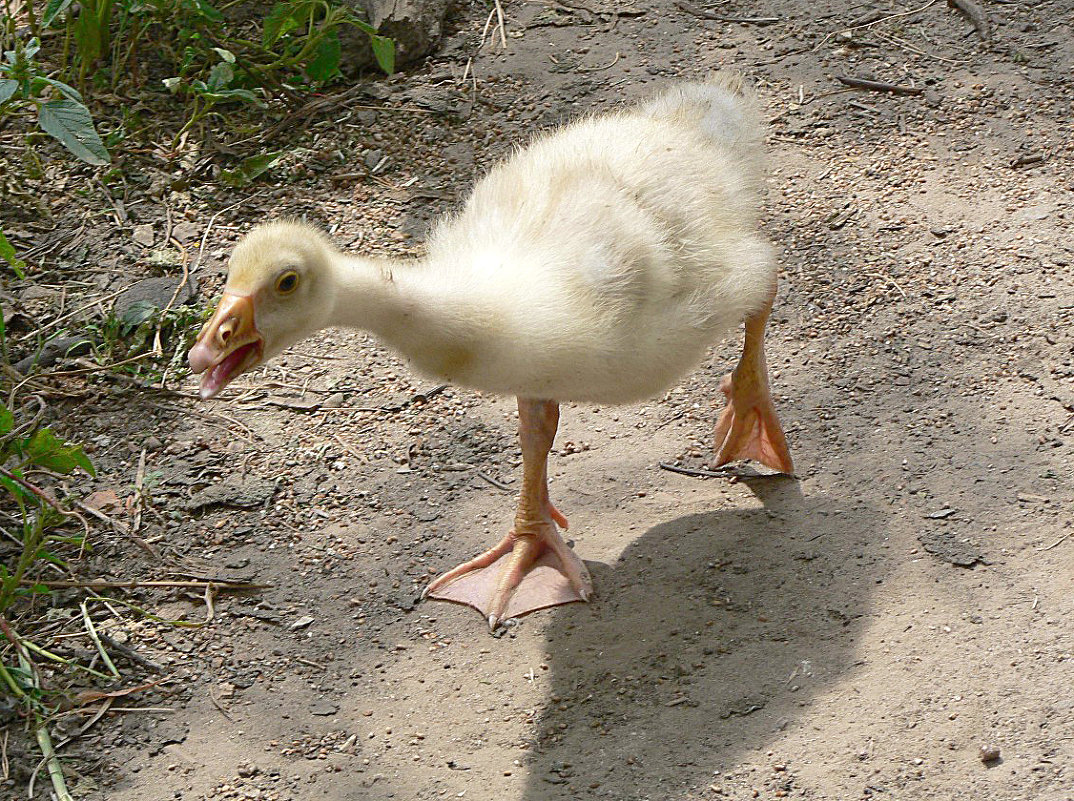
(172, 84)
(16, 490)
(220, 76)
(281, 20)
(249, 169)
(7, 253)
(8, 87)
(90, 38)
(138, 313)
(45, 450)
(383, 52)
(7, 420)
(225, 95)
(48, 556)
(360, 24)
(67, 91)
(383, 47)
(325, 62)
(227, 55)
(207, 11)
(83, 460)
(70, 123)
(53, 9)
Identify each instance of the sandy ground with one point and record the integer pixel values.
(858, 633)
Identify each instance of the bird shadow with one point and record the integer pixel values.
(712, 634)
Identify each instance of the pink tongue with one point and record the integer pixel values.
(217, 378)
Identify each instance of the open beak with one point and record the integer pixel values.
(228, 345)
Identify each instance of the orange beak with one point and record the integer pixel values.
(228, 345)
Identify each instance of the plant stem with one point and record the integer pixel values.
(31, 539)
(9, 680)
(55, 769)
(40, 493)
(92, 631)
(31, 18)
(37, 649)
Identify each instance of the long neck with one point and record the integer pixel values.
(367, 295)
(410, 305)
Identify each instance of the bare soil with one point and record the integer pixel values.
(860, 632)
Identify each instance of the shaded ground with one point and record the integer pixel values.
(758, 639)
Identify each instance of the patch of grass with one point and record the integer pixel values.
(147, 342)
(38, 526)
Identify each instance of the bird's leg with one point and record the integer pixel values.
(748, 428)
(532, 567)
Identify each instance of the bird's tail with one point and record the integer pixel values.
(722, 108)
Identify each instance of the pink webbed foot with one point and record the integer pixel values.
(521, 574)
(748, 428)
(532, 567)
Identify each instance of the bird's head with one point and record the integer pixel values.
(279, 290)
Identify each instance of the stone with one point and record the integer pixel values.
(244, 494)
(54, 350)
(186, 232)
(150, 294)
(416, 26)
(144, 235)
(952, 548)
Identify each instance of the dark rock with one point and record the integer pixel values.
(323, 708)
(244, 494)
(186, 231)
(941, 514)
(245, 679)
(952, 548)
(744, 706)
(54, 350)
(372, 158)
(416, 26)
(150, 294)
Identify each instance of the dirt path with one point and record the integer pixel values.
(760, 639)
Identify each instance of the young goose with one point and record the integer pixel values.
(598, 264)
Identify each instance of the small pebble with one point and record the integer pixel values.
(334, 401)
(989, 753)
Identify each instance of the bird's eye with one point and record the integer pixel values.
(287, 282)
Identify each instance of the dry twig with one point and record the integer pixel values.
(236, 586)
(690, 471)
(494, 482)
(1055, 544)
(878, 86)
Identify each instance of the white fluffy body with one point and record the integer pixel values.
(597, 264)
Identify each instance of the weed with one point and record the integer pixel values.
(27, 446)
(207, 60)
(8, 256)
(147, 342)
(61, 111)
